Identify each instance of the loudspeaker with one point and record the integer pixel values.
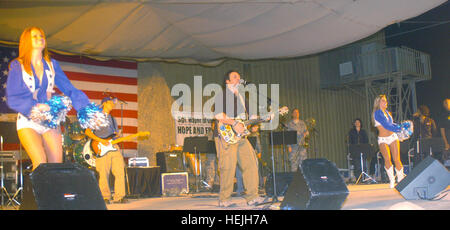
(61, 186)
(425, 180)
(170, 161)
(317, 185)
(283, 179)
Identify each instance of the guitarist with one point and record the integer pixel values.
(112, 161)
(240, 154)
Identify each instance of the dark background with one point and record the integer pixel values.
(429, 33)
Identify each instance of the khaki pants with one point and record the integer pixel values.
(111, 162)
(231, 155)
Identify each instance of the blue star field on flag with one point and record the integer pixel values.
(6, 56)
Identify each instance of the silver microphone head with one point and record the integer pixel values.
(243, 82)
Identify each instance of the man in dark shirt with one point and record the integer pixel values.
(444, 128)
(424, 125)
(424, 130)
(229, 107)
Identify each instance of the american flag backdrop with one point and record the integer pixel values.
(97, 79)
(6, 56)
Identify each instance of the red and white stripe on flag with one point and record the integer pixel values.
(96, 78)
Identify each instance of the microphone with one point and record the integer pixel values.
(121, 101)
(244, 82)
(106, 92)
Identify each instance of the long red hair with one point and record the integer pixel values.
(25, 48)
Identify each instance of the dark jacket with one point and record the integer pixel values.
(356, 137)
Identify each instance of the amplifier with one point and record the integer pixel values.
(170, 161)
(138, 162)
(9, 173)
(174, 184)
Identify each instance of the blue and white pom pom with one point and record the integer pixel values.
(407, 130)
(59, 107)
(92, 116)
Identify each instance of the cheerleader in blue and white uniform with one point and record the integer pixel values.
(388, 140)
(31, 79)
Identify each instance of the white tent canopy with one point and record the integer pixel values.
(201, 31)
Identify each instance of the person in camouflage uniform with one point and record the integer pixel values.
(297, 152)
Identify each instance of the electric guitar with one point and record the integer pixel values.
(230, 136)
(100, 149)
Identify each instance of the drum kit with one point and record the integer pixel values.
(76, 145)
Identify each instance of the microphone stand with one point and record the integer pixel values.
(284, 149)
(121, 124)
(122, 102)
(274, 195)
(349, 165)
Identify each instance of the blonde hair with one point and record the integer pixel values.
(376, 105)
(25, 48)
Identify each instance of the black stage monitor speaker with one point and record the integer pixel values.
(62, 186)
(425, 181)
(170, 161)
(317, 185)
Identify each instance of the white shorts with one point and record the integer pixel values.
(387, 140)
(24, 122)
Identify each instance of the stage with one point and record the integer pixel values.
(361, 197)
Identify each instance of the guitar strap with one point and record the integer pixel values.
(244, 104)
(114, 124)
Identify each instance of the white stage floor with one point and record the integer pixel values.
(361, 197)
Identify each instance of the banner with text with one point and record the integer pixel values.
(190, 125)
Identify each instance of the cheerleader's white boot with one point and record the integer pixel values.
(390, 173)
(400, 175)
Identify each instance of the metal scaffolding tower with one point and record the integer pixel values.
(390, 71)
